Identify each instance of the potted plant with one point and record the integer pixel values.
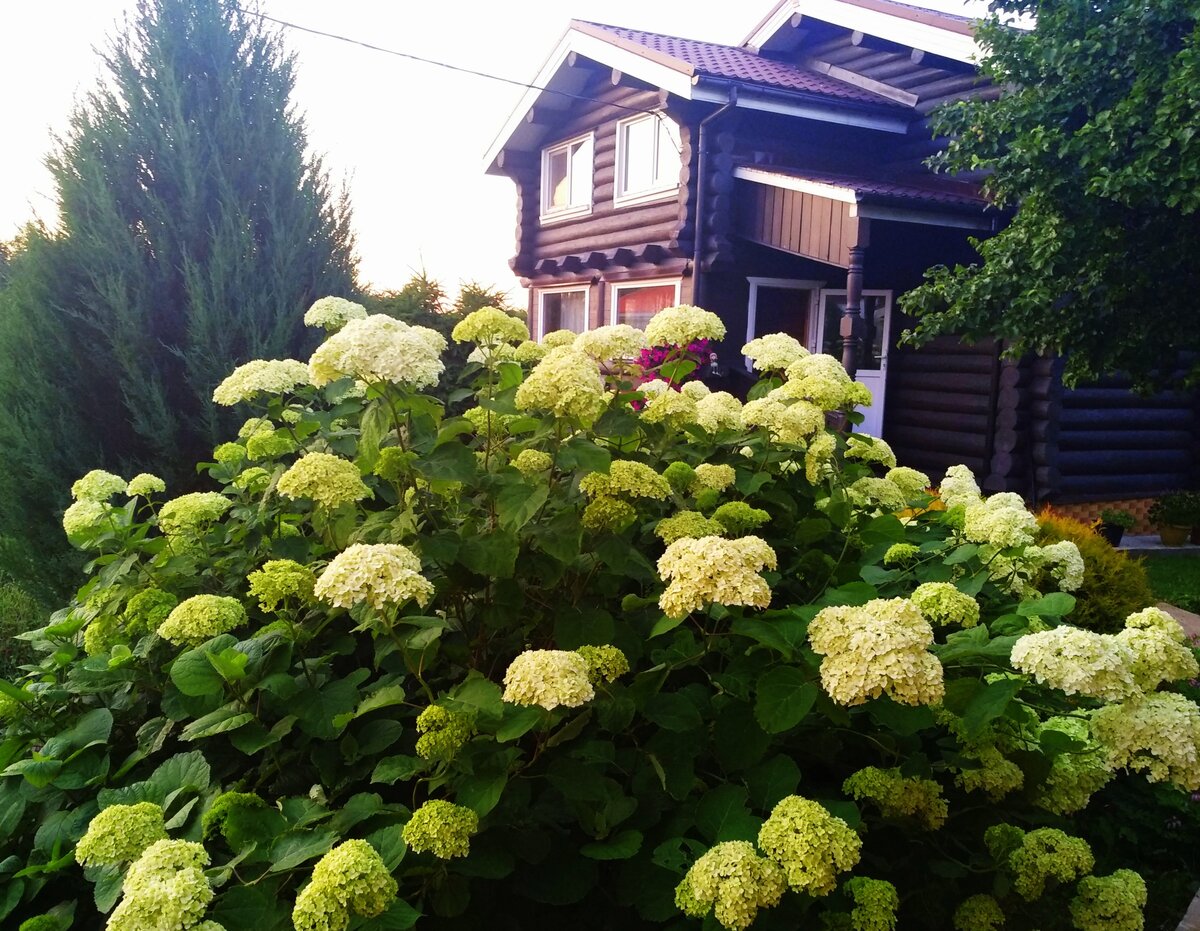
(1113, 523)
(1191, 513)
(1172, 514)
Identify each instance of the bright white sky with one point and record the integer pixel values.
(408, 137)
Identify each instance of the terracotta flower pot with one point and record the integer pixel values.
(1172, 535)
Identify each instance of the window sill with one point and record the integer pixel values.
(572, 213)
(638, 198)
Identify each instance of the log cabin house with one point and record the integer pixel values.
(778, 183)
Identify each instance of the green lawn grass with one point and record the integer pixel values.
(1175, 578)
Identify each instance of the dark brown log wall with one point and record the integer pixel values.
(1103, 441)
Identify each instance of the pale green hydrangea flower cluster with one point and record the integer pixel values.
(329, 480)
(899, 796)
(626, 478)
(821, 379)
(442, 829)
(789, 424)
(943, 604)
(548, 679)
(143, 485)
(1159, 648)
(530, 462)
(377, 349)
(443, 732)
(1001, 520)
(1074, 777)
(1062, 560)
(281, 579)
(773, 352)
(683, 325)
(119, 834)
(351, 879)
(607, 514)
(611, 343)
(333, 313)
(979, 913)
(268, 443)
(878, 648)
(687, 524)
(994, 774)
(738, 517)
(1035, 858)
(201, 618)
(912, 484)
(98, 486)
(262, 376)
(84, 519)
(719, 410)
(875, 904)
(1110, 903)
(715, 477)
(164, 888)
(489, 326)
(566, 383)
(901, 554)
(147, 609)
(604, 663)
(877, 494)
(712, 570)
(870, 449)
(696, 390)
(379, 574)
(818, 458)
(528, 352)
(213, 822)
(959, 487)
(810, 845)
(667, 406)
(254, 480)
(192, 514)
(231, 454)
(733, 882)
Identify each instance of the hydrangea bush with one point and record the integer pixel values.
(587, 645)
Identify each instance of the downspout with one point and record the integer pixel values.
(701, 180)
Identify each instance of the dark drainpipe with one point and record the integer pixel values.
(701, 180)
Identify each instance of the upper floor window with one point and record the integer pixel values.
(567, 178)
(647, 158)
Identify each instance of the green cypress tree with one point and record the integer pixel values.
(196, 227)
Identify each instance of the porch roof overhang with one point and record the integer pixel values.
(822, 217)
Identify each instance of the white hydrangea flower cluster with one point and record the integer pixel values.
(683, 325)
(1063, 561)
(696, 389)
(567, 383)
(668, 406)
(773, 352)
(791, 424)
(164, 888)
(959, 487)
(719, 410)
(717, 477)
(262, 376)
(1001, 520)
(733, 882)
(878, 648)
(548, 678)
(1157, 734)
(912, 483)
(1077, 661)
(333, 313)
(870, 449)
(942, 604)
(617, 342)
(712, 570)
(1159, 647)
(379, 348)
(379, 574)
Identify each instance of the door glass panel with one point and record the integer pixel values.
(875, 313)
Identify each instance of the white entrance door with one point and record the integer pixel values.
(872, 361)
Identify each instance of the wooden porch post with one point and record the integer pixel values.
(852, 318)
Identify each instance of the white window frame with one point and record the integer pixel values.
(551, 214)
(565, 289)
(664, 189)
(618, 286)
(794, 284)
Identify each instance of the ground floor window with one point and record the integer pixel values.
(562, 309)
(636, 302)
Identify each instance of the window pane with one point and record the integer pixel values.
(782, 310)
(581, 173)
(636, 306)
(874, 311)
(667, 170)
(638, 156)
(563, 310)
(558, 185)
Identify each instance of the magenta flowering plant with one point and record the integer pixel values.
(673, 364)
